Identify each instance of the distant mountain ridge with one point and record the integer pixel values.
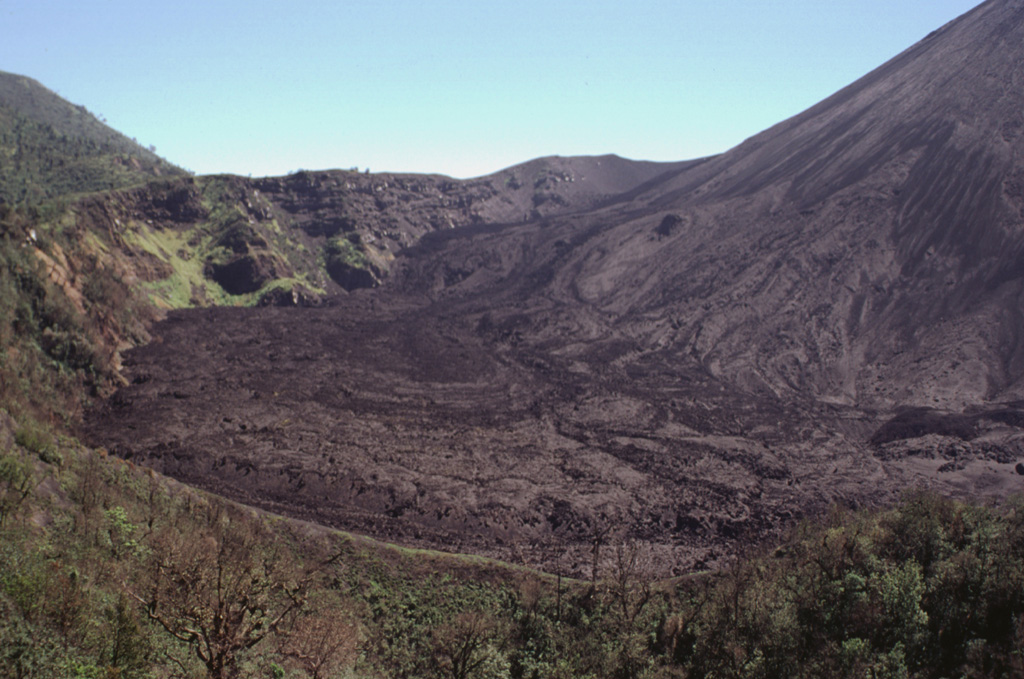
(194, 241)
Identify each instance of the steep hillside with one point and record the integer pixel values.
(875, 237)
(864, 252)
(100, 236)
(828, 312)
(49, 147)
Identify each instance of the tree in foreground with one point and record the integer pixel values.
(222, 586)
(465, 647)
(322, 641)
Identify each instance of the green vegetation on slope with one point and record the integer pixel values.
(80, 281)
(932, 588)
(343, 252)
(50, 148)
(55, 348)
(221, 244)
(351, 263)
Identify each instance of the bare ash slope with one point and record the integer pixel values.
(830, 311)
(877, 236)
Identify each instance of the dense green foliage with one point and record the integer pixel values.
(932, 588)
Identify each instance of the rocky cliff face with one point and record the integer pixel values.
(195, 241)
(84, 274)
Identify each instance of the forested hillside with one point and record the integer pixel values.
(50, 148)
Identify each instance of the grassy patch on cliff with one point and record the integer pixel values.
(231, 222)
(340, 251)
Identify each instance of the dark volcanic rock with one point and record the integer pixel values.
(247, 273)
(917, 422)
(294, 296)
(175, 202)
(240, 239)
(353, 278)
(668, 225)
(830, 312)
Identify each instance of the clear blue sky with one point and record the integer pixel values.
(457, 87)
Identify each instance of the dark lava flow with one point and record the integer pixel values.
(829, 312)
